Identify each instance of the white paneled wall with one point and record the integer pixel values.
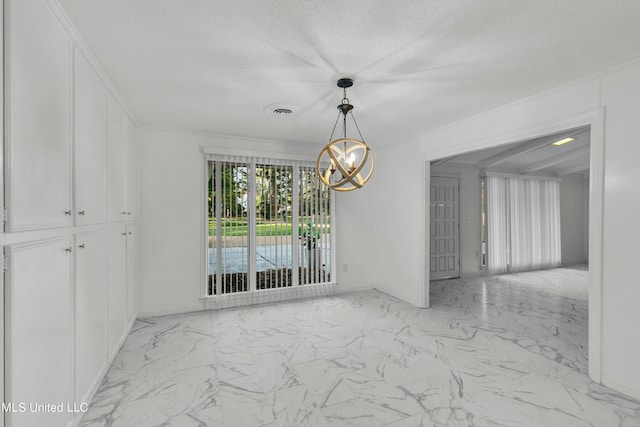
(38, 330)
(132, 272)
(38, 143)
(90, 144)
(90, 323)
(70, 238)
(116, 137)
(117, 295)
(130, 158)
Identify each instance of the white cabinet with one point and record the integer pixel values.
(2, 343)
(90, 310)
(38, 330)
(116, 166)
(70, 169)
(132, 272)
(116, 287)
(90, 144)
(38, 91)
(122, 163)
(131, 187)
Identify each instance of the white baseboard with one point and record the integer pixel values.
(574, 264)
(391, 293)
(269, 295)
(341, 291)
(474, 274)
(252, 298)
(630, 391)
(88, 397)
(172, 312)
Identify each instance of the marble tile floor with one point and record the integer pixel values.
(509, 350)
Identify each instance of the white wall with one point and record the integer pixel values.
(356, 228)
(614, 352)
(621, 240)
(397, 207)
(171, 218)
(574, 214)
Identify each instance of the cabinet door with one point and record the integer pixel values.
(132, 272)
(116, 287)
(132, 170)
(90, 144)
(116, 167)
(2, 326)
(38, 91)
(38, 331)
(90, 310)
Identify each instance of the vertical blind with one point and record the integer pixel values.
(314, 252)
(228, 226)
(523, 223)
(269, 225)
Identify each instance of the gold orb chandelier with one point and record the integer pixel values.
(345, 164)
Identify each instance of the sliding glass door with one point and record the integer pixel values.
(269, 225)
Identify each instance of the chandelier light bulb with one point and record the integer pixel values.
(351, 162)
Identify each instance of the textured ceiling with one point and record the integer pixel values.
(213, 66)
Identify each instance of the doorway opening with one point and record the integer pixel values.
(530, 161)
(583, 169)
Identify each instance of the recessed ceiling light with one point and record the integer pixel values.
(563, 141)
(281, 110)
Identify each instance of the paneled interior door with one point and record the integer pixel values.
(444, 228)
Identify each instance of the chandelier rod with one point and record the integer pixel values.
(357, 127)
(334, 127)
(344, 126)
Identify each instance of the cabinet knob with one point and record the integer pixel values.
(124, 234)
(67, 213)
(130, 233)
(128, 213)
(81, 246)
(68, 249)
(124, 212)
(81, 212)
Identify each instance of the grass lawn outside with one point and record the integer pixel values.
(238, 227)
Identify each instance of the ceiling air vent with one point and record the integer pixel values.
(281, 110)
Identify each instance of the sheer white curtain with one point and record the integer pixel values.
(550, 229)
(497, 212)
(523, 223)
